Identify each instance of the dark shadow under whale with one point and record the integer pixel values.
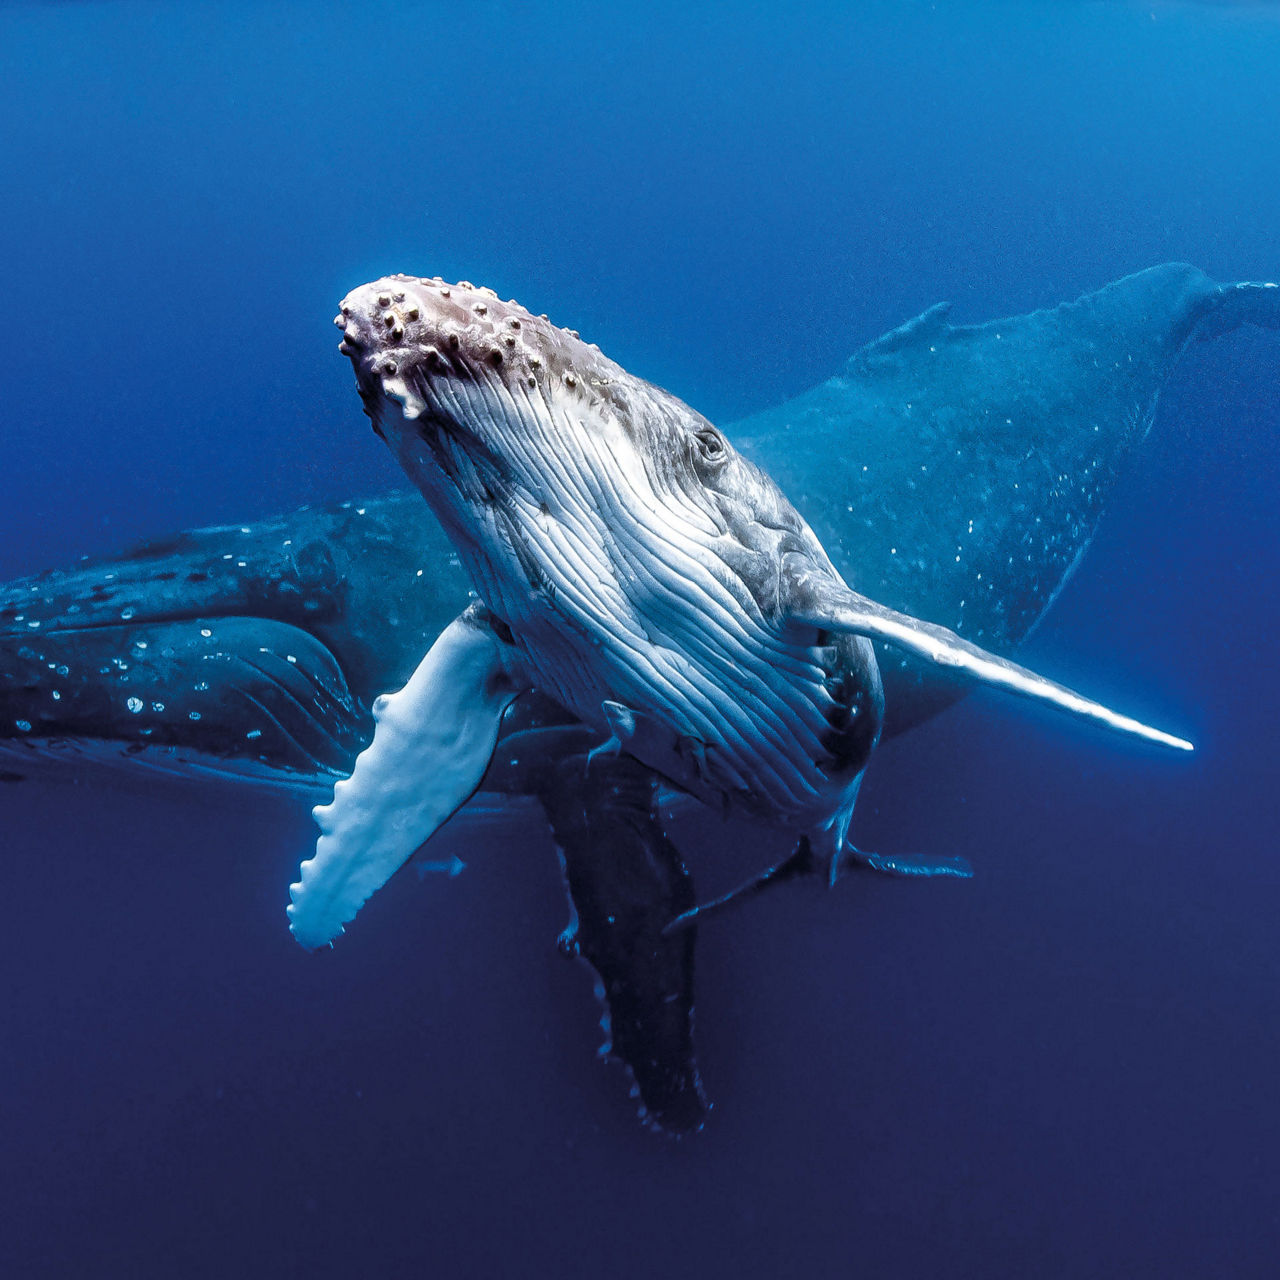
(955, 472)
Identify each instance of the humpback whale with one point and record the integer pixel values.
(633, 566)
(255, 651)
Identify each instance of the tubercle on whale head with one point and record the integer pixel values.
(402, 331)
(409, 338)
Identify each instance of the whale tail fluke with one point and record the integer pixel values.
(1231, 305)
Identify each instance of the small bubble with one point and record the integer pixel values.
(204, 631)
(253, 733)
(126, 614)
(24, 725)
(157, 706)
(57, 697)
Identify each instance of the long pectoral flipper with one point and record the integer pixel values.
(824, 601)
(431, 745)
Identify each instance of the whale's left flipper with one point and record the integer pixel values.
(432, 742)
(818, 598)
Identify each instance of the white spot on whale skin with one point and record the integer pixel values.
(204, 631)
(24, 725)
(193, 715)
(134, 705)
(126, 614)
(253, 733)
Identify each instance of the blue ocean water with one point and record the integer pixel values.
(1065, 1067)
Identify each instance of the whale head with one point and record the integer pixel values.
(637, 558)
(489, 406)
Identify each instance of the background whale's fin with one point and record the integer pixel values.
(626, 883)
(929, 324)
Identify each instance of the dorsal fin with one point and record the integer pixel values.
(929, 324)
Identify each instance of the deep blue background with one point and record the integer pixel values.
(1067, 1067)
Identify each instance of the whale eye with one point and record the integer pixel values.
(709, 445)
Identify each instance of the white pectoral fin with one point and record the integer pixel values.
(827, 603)
(431, 744)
